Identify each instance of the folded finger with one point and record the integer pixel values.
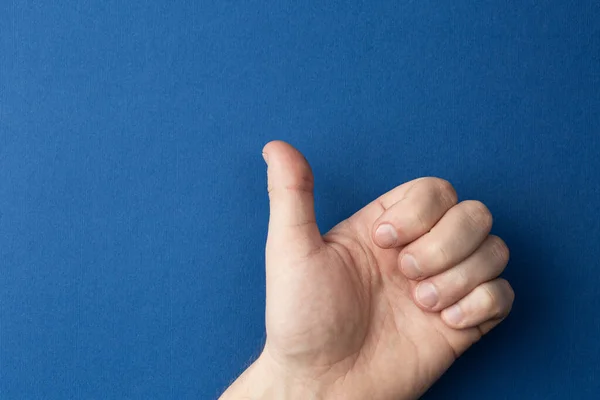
(485, 264)
(420, 208)
(455, 237)
(487, 303)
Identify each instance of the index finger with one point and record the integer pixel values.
(421, 206)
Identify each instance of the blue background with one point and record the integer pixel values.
(133, 210)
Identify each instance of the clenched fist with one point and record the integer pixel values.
(380, 306)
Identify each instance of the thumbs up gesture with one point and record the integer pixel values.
(380, 306)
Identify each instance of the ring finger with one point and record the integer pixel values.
(442, 290)
(456, 236)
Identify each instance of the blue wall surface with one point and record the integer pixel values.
(133, 209)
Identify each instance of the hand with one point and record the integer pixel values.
(383, 304)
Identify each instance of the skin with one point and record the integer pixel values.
(351, 314)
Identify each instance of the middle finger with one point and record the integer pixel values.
(456, 236)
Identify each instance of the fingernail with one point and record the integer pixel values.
(409, 267)
(427, 294)
(386, 235)
(266, 158)
(453, 314)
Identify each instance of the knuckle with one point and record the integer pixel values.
(430, 180)
(435, 196)
(509, 291)
(498, 302)
(479, 215)
(421, 219)
(303, 187)
(460, 279)
(500, 249)
(499, 311)
(430, 189)
(442, 189)
(510, 304)
(439, 256)
(487, 300)
(446, 192)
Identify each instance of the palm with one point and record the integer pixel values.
(423, 344)
(367, 321)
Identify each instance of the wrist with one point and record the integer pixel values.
(266, 380)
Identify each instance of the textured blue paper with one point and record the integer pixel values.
(133, 210)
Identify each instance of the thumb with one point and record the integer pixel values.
(292, 224)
